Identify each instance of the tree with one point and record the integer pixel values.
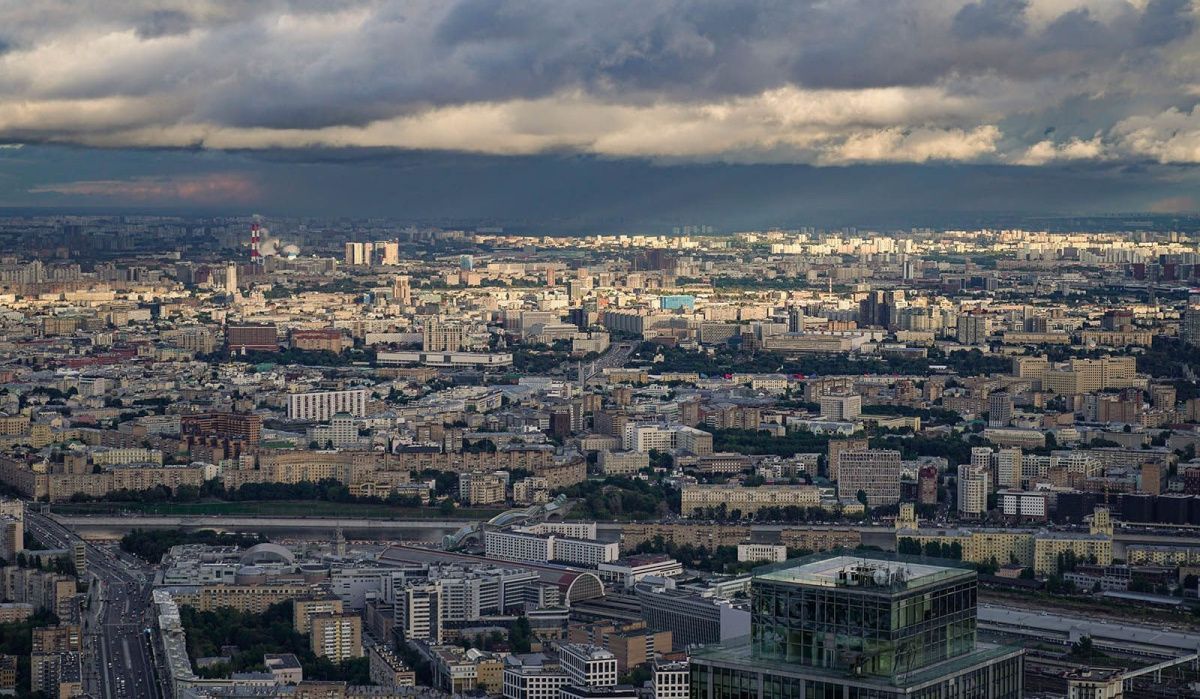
(861, 496)
(520, 635)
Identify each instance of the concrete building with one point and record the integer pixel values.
(588, 665)
(841, 406)
(321, 406)
(974, 486)
(696, 499)
(336, 636)
(875, 472)
(770, 553)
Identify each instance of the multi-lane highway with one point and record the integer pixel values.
(118, 648)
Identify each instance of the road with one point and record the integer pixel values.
(615, 357)
(118, 650)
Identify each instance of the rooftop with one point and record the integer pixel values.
(873, 571)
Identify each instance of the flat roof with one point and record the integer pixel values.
(861, 571)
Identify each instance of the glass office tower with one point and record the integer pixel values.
(859, 626)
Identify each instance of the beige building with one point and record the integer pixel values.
(837, 447)
(1037, 549)
(481, 488)
(747, 500)
(245, 598)
(304, 609)
(336, 636)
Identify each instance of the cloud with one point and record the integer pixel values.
(202, 189)
(1049, 151)
(906, 80)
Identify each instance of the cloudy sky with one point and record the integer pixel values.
(567, 109)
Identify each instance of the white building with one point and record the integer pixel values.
(587, 665)
(319, 406)
(670, 680)
(418, 612)
(541, 548)
(342, 431)
(518, 546)
(531, 676)
(770, 553)
(841, 406)
(1020, 503)
(629, 570)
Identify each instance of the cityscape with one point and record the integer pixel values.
(514, 349)
(258, 457)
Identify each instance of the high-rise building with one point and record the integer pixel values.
(837, 447)
(402, 290)
(391, 251)
(358, 254)
(880, 308)
(841, 406)
(1190, 328)
(866, 625)
(418, 612)
(874, 472)
(1008, 468)
(1000, 409)
(336, 636)
(323, 405)
(927, 485)
(441, 336)
(974, 485)
(974, 327)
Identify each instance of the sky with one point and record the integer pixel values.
(584, 114)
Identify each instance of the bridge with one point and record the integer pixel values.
(1156, 669)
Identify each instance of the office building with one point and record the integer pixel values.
(974, 327)
(841, 406)
(837, 447)
(1000, 409)
(533, 676)
(874, 472)
(251, 338)
(670, 680)
(587, 665)
(692, 618)
(859, 626)
(320, 406)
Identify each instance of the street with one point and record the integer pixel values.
(118, 656)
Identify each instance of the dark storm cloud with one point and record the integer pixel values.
(990, 18)
(239, 73)
(164, 23)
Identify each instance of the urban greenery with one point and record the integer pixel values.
(151, 544)
(250, 636)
